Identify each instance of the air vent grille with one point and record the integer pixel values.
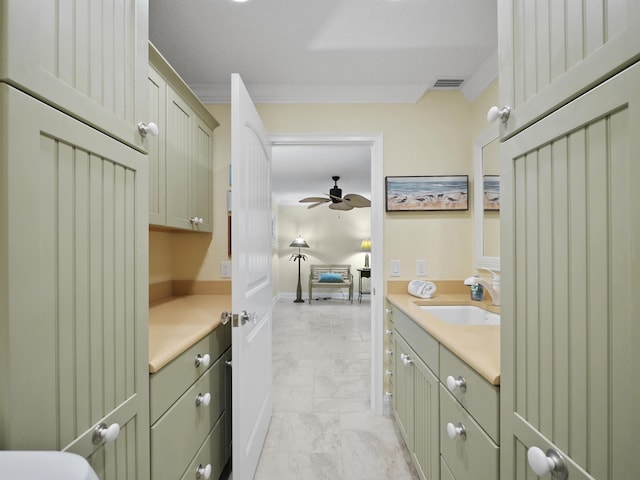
(448, 83)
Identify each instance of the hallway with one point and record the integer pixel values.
(322, 425)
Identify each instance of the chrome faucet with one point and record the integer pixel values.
(493, 288)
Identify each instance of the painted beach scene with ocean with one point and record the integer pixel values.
(427, 193)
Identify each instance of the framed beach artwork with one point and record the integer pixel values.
(427, 193)
(491, 196)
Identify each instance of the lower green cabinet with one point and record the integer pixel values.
(190, 428)
(416, 408)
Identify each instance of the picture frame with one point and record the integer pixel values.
(427, 193)
(491, 192)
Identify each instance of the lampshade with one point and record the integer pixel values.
(299, 242)
(365, 246)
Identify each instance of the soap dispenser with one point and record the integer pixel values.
(477, 290)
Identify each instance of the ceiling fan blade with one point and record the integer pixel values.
(313, 205)
(314, 200)
(357, 200)
(340, 206)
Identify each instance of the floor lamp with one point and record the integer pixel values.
(300, 243)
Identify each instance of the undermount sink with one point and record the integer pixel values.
(462, 314)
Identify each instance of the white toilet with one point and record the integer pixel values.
(36, 465)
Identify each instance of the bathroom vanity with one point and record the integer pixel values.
(445, 388)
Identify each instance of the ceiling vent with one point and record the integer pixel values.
(448, 83)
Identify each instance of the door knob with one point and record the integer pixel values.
(550, 462)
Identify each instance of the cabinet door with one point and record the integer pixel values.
(570, 330)
(178, 138)
(88, 59)
(403, 390)
(552, 51)
(426, 416)
(201, 191)
(73, 323)
(156, 149)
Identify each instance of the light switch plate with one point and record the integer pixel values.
(421, 268)
(225, 269)
(395, 268)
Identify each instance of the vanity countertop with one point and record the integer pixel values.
(178, 322)
(477, 346)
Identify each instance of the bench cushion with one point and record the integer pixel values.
(329, 277)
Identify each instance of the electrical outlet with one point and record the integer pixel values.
(421, 268)
(225, 269)
(395, 268)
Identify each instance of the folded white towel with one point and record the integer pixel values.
(421, 288)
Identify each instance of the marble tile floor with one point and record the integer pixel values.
(322, 425)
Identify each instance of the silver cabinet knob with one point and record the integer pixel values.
(203, 399)
(388, 331)
(203, 360)
(148, 128)
(388, 352)
(455, 432)
(225, 317)
(496, 113)
(454, 383)
(203, 472)
(406, 359)
(545, 463)
(104, 433)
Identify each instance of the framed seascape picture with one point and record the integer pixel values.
(427, 193)
(491, 195)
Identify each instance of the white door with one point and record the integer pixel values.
(251, 291)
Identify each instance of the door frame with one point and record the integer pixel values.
(374, 141)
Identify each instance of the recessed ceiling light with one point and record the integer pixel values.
(240, 1)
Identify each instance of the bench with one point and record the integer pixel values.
(330, 276)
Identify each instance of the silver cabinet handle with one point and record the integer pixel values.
(203, 399)
(496, 113)
(203, 472)
(108, 434)
(148, 128)
(406, 359)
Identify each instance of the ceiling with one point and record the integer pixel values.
(326, 51)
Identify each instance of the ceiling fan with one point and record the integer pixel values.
(337, 201)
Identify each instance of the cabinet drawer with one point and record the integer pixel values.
(425, 346)
(172, 380)
(480, 398)
(212, 452)
(181, 431)
(472, 458)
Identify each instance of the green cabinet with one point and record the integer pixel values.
(416, 400)
(191, 410)
(181, 157)
(73, 299)
(88, 59)
(551, 52)
(570, 325)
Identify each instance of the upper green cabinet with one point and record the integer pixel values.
(551, 52)
(88, 59)
(181, 157)
(73, 295)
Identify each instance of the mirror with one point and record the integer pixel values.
(486, 199)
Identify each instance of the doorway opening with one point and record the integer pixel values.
(374, 145)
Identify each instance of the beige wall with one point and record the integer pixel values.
(333, 237)
(431, 137)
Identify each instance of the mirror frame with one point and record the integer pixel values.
(481, 261)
